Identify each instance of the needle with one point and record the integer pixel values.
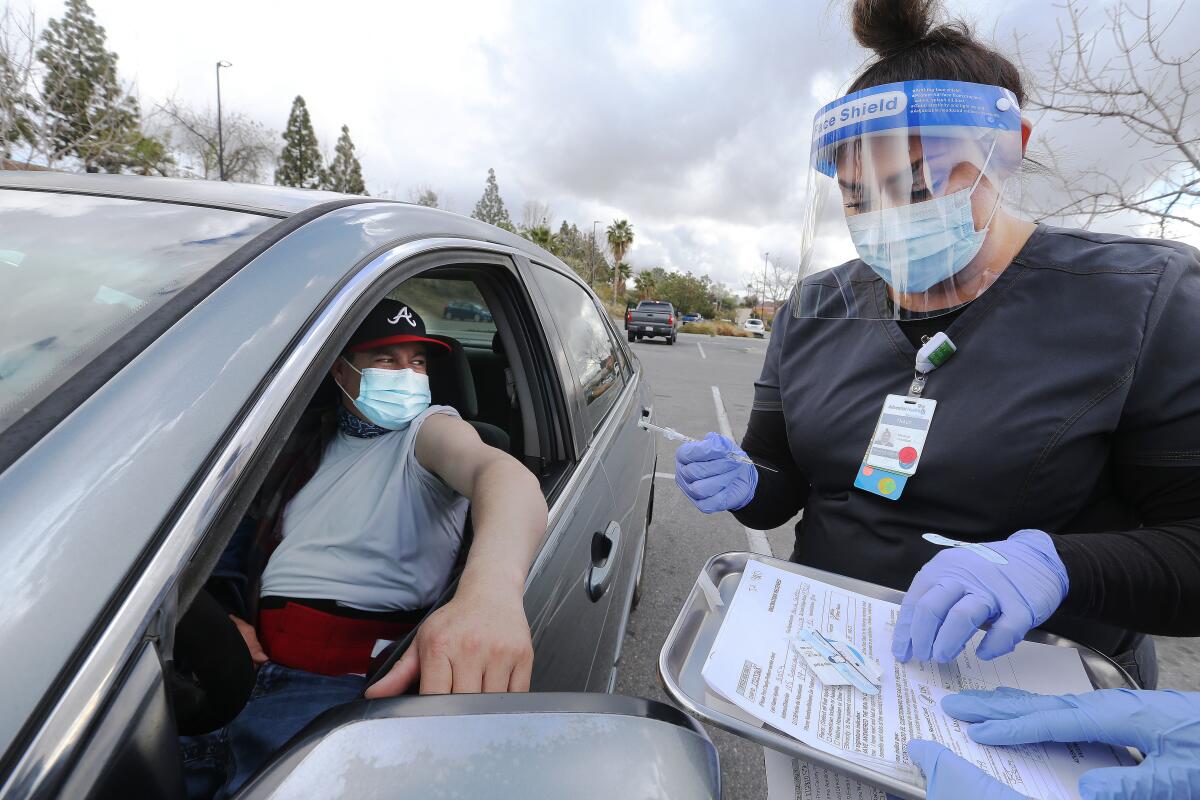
(979, 549)
(673, 435)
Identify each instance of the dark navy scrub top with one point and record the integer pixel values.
(1083, 358)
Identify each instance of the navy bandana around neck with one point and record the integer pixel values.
(351, 425)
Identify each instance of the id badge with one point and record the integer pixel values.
(896, 447)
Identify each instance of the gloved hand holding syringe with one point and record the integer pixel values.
(673, 435)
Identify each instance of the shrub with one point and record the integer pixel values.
(713, 329)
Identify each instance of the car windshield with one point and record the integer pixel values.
(80, 272)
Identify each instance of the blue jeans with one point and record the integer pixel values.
(284, 700)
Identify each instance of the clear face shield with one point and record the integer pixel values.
(906, 182)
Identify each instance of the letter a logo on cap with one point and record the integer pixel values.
(403, 314)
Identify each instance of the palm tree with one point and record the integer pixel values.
(620, 237)
(645, 285)
(541, 236)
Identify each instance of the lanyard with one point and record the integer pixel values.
(935, 351)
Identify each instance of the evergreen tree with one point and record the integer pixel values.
(300, 161)
(88, 112)
(490, 207)
(345, 172)
(151, 156)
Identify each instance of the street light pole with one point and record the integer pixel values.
(592, 255)
(220, 136)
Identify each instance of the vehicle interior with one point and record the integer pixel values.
(498, 376)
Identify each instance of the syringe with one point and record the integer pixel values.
(675, 436)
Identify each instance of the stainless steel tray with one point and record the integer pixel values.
(691, 637)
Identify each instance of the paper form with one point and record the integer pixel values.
(795, 779)
(754, 664)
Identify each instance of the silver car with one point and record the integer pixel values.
(161, 340)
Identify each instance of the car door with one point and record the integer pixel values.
(595, 373)
(628, 456)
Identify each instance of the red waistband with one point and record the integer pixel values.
(315, 641)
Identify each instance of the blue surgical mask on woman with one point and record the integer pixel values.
(390, 398)
(934, 239)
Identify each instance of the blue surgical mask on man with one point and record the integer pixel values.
(390, 398)
(917, 246)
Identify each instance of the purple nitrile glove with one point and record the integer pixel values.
(710, 479)
(951, 777)
(958, 591)
(1163, 725)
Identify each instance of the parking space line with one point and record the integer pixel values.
(701, 349)
(757, 540)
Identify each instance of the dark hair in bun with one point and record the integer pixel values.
(909, 46)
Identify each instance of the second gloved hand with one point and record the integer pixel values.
(958, 591)
(1164, 725)
(950, 777)
(711, 480)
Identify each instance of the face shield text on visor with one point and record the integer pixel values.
(905, 182)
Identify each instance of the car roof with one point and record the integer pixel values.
(280, 201)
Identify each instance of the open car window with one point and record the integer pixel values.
(83, 286)
(453, 308)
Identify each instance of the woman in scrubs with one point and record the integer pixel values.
(945, 366)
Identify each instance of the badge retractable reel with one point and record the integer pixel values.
(894, 452)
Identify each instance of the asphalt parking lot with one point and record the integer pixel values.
(695, 382)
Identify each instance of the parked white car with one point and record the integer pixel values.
(756, 327)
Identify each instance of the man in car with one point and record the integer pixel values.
(368, 542)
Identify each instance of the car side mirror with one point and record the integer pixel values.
(579, 745)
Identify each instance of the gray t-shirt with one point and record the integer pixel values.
(1080, 357)
(372, 529)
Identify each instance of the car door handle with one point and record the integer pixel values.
(606, 552)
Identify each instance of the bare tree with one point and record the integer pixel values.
(28, 135)
(535, 214)
(1143, 88)
(779, 279)
(249, 146)
(19, 108)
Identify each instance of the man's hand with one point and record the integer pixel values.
(478, 642)
(257, 654)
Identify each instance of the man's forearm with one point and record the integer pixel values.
(509, 517)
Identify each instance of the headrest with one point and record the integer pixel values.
(450, 380)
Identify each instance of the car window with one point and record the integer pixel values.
(592, 351)
(654, 306)
(79, 272)
(452, 308)
(624, 356)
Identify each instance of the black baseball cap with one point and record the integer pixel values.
(390, 322)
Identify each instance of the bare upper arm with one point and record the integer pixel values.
(451, 449)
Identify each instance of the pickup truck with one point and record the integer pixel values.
(652, 318)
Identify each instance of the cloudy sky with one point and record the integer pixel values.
(691, 119)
